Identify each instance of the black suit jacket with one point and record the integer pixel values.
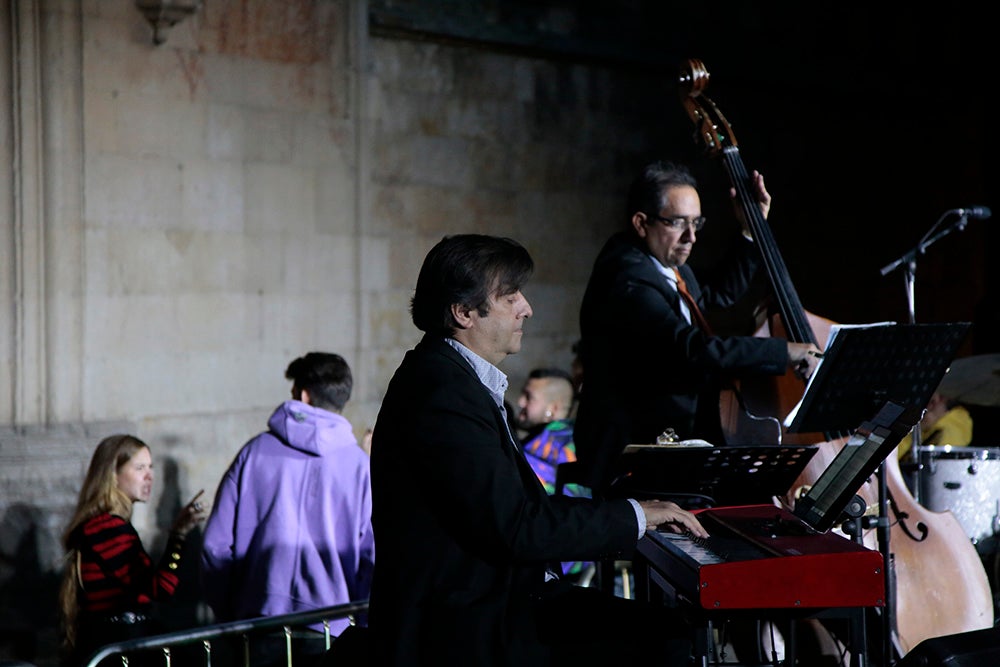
(644, 366)
(463, 529)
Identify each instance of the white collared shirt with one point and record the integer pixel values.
(496, 384)
(492, 378)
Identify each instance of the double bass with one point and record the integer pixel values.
(936, 582)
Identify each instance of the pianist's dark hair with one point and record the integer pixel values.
(466, 269)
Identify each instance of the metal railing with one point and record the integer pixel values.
(206, 635)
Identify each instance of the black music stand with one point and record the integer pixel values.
(862, 369)
(704, 476)
(866, 366)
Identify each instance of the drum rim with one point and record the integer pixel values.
(960, 452)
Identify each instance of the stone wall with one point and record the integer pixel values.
(181, 220)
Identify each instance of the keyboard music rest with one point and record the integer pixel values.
(763, 559)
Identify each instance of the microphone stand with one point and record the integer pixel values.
(909, 261)
(910, 257)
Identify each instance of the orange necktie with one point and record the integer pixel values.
(696, 313)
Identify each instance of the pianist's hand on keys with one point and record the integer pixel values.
(666, 515)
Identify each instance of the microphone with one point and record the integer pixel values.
(976, 212)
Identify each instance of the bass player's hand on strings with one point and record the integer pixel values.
(762, 196)
(803, 358)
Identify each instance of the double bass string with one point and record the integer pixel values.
(788, 301)
(792, 313)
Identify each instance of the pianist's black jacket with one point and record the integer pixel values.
(463, 528)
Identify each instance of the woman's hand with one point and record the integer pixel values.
(190, 515)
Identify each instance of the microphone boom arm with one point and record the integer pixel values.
(910, 257)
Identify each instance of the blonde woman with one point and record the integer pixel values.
(110, 582)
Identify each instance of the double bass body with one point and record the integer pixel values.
(941, 584)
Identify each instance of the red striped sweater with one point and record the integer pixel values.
(117, 573)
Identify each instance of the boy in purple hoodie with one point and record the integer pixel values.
(290, 529)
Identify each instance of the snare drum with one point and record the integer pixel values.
(965, 480)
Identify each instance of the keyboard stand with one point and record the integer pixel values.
(664, 580)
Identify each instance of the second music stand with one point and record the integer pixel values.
(862, 368)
